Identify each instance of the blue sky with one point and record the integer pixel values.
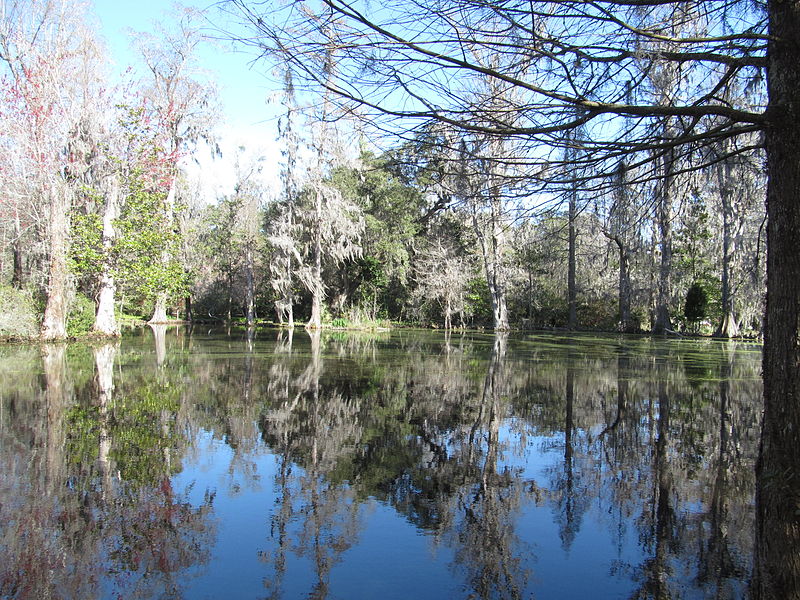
(248, 119)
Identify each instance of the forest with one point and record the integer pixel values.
(624, 165)
(102, 219)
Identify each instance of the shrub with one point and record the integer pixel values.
(81, 316)
(696, 305)
(19, 317)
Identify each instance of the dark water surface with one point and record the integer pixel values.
(404, 465)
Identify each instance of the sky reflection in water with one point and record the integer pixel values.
(401, 465)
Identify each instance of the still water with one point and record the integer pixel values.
(177, 464)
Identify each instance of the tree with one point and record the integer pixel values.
(418, 52)
(332, 229)
(696, 304)
(182, 104)
(50, 75)
(620, 229)
(442, 274)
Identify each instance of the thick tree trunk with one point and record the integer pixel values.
(777, 543)
(229, 311)
(159, 310)
(187, 303)
(54, 325)
(105, 322)
(492, 250)
(620, 221)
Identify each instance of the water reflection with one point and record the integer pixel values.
(495, 466)
(87, 502)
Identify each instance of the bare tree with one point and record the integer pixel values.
(183, 103)
(51, 73)
(410, 48)
(442, 274)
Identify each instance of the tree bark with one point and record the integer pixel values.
(663, 322)
(250, 292)
(728, 327)
(159, 310)
(625, 288)
(54, 325)
(16, 252)
(492, 250)
(315, 322)
(572, 294)
(777, 542)
(105, 322)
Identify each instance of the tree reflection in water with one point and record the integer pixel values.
(86, 495)
(644, 447)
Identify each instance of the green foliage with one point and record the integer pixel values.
(80, 319)
(147, 244)
(83, 433)
(478, 301)
(142, 427)
(693, 240)
(19, 313)
(391, 209)
(340, 323)
(598, 313)
(86, 244)
(696, 305)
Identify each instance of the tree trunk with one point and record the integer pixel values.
(187, 302)
(159, 310)
(500, 311)
(620, 222)
(229, 312)
(250, 292)
(572, 295)
(315, 322)
(54, 325)
(663, 322)
(105, 322)
(777, 543)
(491, 251)
(625, 289)
(728, 327)
(16, 253)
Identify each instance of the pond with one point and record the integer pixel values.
(411, 464)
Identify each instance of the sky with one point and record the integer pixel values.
(249, 118)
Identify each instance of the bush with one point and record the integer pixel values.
(81, 316)
(19, 317)
(696, 306)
